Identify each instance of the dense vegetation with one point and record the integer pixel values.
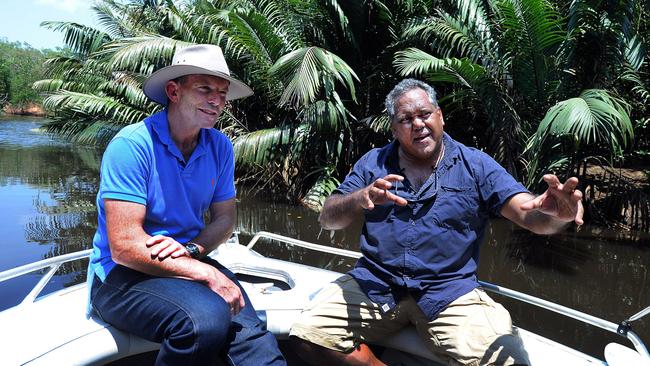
(540, 85)
(20, 66)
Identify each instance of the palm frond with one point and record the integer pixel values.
(533, 31)
(94, 106)
(81, 39)
(257, 150)
(305, 71)
(324, 186)
(594, 118)
(413, 61)
(140, 54)
(378, 123)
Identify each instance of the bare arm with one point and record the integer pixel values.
(340, 210)
(222, 221)
(127, 238)
(549, 212)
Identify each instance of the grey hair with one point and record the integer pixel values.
(404, 86)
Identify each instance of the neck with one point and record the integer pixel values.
(432, 162)
(185, 137)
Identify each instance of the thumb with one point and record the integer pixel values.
(533, 204)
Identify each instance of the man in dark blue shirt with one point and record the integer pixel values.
(426, 200)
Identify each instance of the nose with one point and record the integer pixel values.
(217, 99)
(418, 122)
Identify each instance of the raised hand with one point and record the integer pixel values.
(378, 192)
(562, 201)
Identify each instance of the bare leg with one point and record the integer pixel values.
(320, 356)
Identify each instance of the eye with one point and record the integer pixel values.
(425, 115)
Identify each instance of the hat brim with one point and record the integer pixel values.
(154, 86)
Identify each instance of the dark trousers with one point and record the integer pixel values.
(192, 323)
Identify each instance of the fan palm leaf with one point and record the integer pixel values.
(594, 118)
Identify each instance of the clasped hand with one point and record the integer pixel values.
(163, 247)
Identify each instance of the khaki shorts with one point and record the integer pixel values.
(472, 330)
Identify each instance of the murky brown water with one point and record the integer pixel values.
(47, 194)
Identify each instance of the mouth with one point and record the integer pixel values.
(421, 137)
(209, 112)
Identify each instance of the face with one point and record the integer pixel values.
(199, 98)
(418, 125)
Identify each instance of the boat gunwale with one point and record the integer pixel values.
(54, 264)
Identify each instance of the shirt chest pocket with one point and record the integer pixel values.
(457, 207)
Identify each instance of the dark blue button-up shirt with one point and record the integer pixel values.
(429, 248)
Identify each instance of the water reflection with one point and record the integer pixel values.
(47, 193)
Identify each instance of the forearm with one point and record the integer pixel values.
(534, 220)
(215, 233)
(543, 224)
(340, 210)
(129, 249)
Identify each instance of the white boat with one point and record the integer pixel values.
(52, 329)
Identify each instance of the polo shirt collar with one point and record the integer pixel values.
(160, 125)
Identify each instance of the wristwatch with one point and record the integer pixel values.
(193, 249)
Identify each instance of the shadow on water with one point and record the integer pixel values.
(47, 193)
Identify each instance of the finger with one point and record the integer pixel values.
(168, 251)
(181, 253)
(394, 178)
(533, 204)
(159, 248)
(396, 199)
(551, 180)
(154, 240)
(579, 214)
(577, 195)
(570, 185)
(382, 184)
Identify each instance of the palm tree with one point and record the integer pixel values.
(509, 64)
(320, 70)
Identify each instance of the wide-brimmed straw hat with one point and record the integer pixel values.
(204, 59)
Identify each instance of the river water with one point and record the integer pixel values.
(47, 208)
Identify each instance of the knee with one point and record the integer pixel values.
(211, 327)
(205, 327)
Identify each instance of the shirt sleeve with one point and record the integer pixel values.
(495, 184)
(356, 179)
(225, 189)
(124, 172)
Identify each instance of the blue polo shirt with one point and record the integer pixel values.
(143, 165)
(429, 248)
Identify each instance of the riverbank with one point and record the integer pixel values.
(28, 109)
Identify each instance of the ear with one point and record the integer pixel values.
(171, 89)
(442, 119)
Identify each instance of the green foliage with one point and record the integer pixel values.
(20, 66)
(509, 62)
(538, 84)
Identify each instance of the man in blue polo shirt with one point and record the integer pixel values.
(426, 200)
(148, 273)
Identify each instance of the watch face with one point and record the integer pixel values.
(193, 250)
